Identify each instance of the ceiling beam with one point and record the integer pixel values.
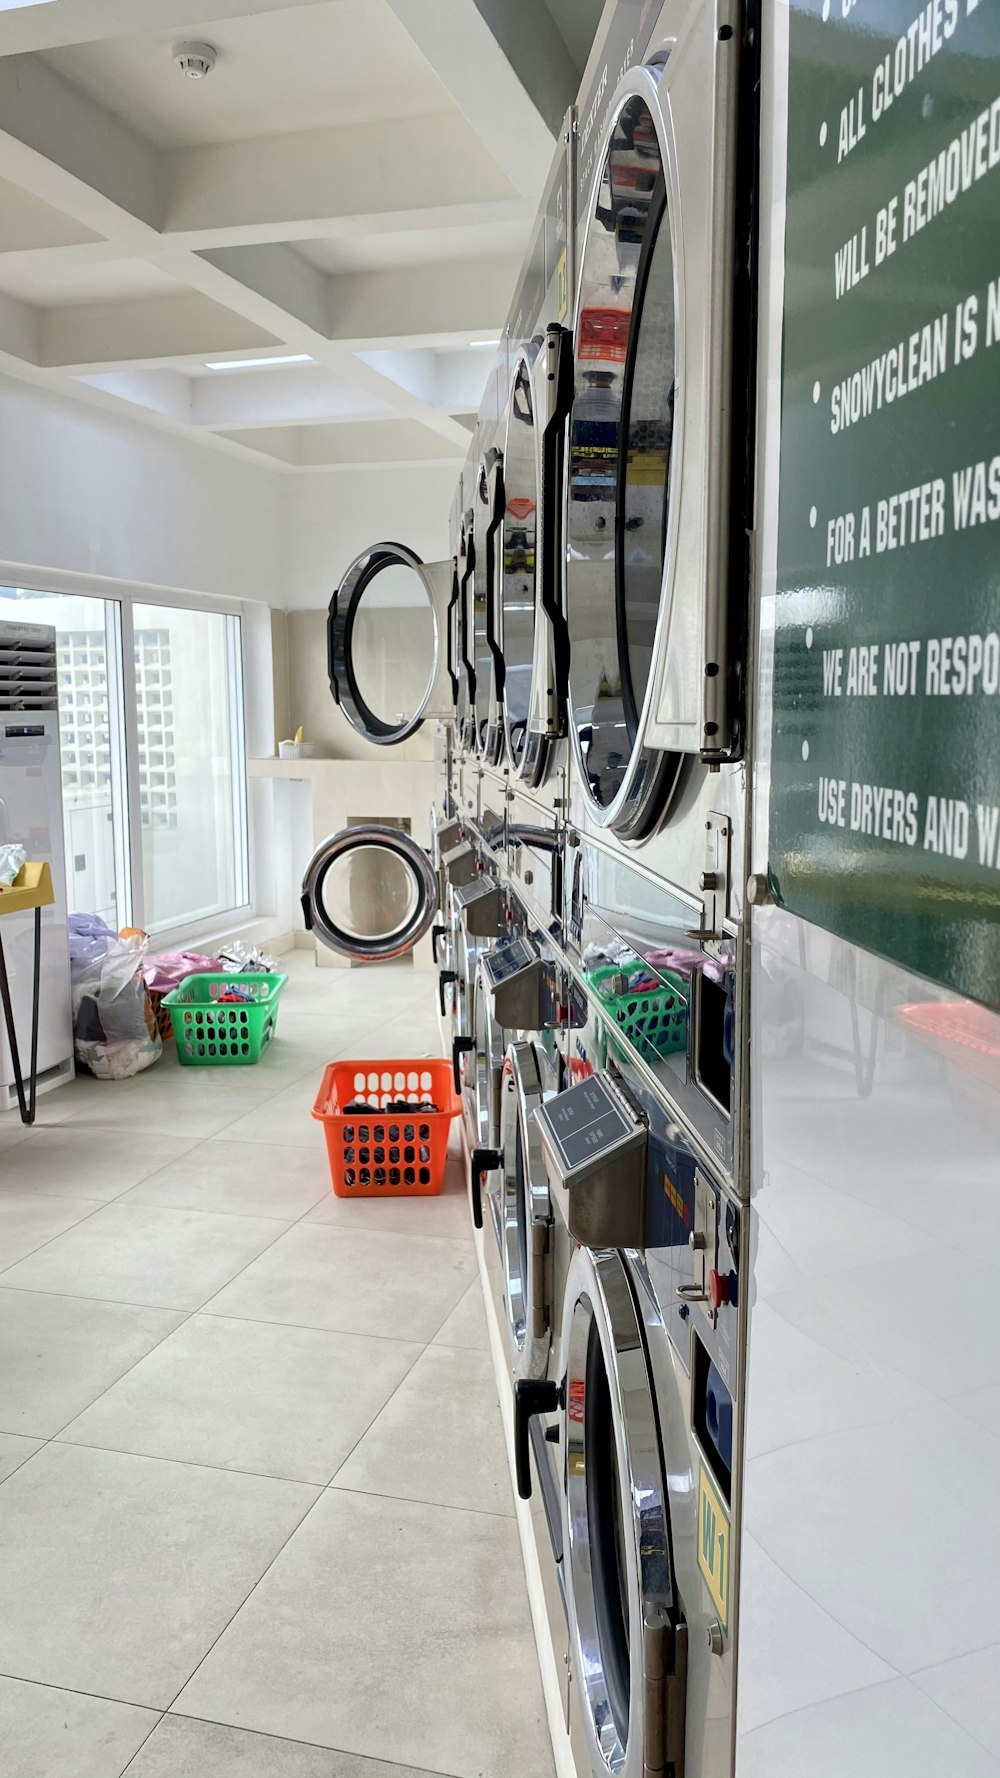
(72, 153)
(483, 82)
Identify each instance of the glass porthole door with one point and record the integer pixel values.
(533, 637)
(390, 643)
(488, 660)
(370, 893)
(647, 487)
(628, 1635)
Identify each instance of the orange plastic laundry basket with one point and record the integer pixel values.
(387, 1153)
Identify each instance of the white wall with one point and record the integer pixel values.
(88, 492)
(330, 518)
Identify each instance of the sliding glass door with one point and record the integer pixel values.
(190, 758)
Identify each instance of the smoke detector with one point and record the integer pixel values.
(196, 60)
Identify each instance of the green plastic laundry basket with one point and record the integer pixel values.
(210, 1035)
(653, 1019)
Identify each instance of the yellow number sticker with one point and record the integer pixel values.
(562, 284)
(713, 1546)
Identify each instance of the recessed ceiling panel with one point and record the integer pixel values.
(60, 281)
(26, 222)
(309, 68)
(402, 247)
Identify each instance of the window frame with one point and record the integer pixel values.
(120, 599)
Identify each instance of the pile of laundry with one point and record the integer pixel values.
(118, 1030)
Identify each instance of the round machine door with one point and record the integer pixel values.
(488, 661)
(465, 694)
(525, 1214)
(647, 483)
(389, 642)
(626, 1629)
(533, 633)
(490, 1050)
(370, 893)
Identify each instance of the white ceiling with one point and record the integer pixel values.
(348, 61)
(356, 181)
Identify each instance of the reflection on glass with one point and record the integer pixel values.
(519, 569)
(482, 657)
(192, 769)
(369, 893)
(620, 441)
(393, 645)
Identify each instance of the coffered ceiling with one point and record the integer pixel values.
(351, 187)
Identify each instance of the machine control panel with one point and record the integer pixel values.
(479, 905)
(516, 980)
(507, 961)
(594, 1145)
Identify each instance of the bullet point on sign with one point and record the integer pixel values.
(809, 637)
(822, 135)
(813, 516)
(817, 392)
(805, 749)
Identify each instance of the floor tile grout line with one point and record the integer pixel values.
(47, 1685)
(217, 1315)
(366, 1759)
(98, 1204)
(247, 1597)
(142, 1744)
(257, 1475)
(447, 1506)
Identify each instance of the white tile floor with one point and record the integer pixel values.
(255, 1520)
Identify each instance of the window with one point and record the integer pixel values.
(153, 758)
(189, 724)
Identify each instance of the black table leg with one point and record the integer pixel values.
(26, 1106)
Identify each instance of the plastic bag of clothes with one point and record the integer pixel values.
(114, 1031)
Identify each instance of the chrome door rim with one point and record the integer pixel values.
(531, 766)
(489, 1059)
(599, 1297)
(410, 931)
(526, 1209)
(619, 815)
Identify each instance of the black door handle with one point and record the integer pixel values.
(530, 1399)
(436, 933)
(460, 1046)
(445, 979)
(484, 1160)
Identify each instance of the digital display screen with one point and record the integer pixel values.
(507, 960)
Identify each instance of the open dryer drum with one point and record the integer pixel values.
(370, 893)
(627, 1631)
(534, 640)
(390, 642)
(647, 539)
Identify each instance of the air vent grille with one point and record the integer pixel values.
(28, 675)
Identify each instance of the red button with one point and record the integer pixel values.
(718, 1289)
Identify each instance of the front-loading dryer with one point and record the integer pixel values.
(654, 677)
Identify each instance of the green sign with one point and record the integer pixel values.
(886, 749)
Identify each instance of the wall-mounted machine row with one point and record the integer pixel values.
(725, 1145)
